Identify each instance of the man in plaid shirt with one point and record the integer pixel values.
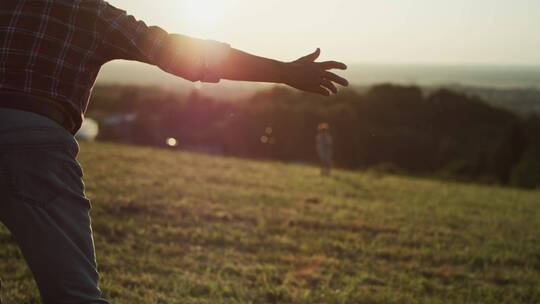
(50, 54)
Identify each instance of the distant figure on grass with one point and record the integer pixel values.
(50, 54)
(324, 148)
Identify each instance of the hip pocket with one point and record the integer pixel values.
(38, 175)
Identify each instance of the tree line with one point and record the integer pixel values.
(394, 128)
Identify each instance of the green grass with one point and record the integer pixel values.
(176, 227)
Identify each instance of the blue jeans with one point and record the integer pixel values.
(43, 205)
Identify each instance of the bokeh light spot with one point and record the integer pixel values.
(172, 142)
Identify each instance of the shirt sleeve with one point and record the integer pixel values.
(124, 37)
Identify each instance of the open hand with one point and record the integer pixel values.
(307, 75)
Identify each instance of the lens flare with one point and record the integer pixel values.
(172, 142)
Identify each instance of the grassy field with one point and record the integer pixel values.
(184, 228)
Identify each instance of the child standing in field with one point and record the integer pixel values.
(324, 148)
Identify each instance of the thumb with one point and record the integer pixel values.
(311, 57)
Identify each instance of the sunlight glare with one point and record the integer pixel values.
(202, 14)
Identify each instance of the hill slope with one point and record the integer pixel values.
(183, 228)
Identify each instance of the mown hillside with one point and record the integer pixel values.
(174, 227)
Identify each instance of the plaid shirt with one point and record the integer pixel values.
(55, 49)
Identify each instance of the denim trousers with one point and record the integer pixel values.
(44, 207)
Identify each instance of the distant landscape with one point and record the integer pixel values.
(437, 133)
(516, 88)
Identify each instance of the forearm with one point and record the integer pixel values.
(123, 37)
(210, 61)
(242, 66)
(193, 58)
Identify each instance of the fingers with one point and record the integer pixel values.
(335, 78)
(311, 57)
(329, 85)
(329, 65)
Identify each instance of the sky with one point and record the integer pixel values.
(456, 32)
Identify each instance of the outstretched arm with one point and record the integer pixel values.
(124, 37)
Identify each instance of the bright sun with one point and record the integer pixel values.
(203, 13)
